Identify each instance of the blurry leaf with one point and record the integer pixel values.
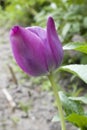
(77, 92)
(75, 27)
(77, 1)
(70, 106)
(85, 22)
(78, 120)
(83, 59)
(81, 99)
(58, 2)
(78, 70)
(65, 29)
(78, 46)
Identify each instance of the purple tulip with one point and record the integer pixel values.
(37, 51)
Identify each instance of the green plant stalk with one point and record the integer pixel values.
(59, 105)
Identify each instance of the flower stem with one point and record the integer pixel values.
(59, 105)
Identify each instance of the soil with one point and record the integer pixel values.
(39, 104)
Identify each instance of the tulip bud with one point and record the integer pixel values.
(37, 51)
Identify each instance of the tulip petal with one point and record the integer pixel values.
(28, 51)
(54, 42)
(40, 32)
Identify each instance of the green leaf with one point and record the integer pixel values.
(78, 120)
(81, 99)
(78, 70)
(78, 46)
(65, 29)
(70, 106)
(85, 22)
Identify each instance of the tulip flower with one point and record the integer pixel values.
(36, 50)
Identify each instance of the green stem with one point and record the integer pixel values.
(59, 105)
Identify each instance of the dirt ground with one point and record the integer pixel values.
(40, 103)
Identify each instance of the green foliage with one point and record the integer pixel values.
(21, 12)
(70, 17)
(70, 106)
(74, 112)
(75, 90)
(69, 2)
(78, 46)
(78, 70)
(82, 99)
(78, 120)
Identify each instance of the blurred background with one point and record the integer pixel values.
(33, 111)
